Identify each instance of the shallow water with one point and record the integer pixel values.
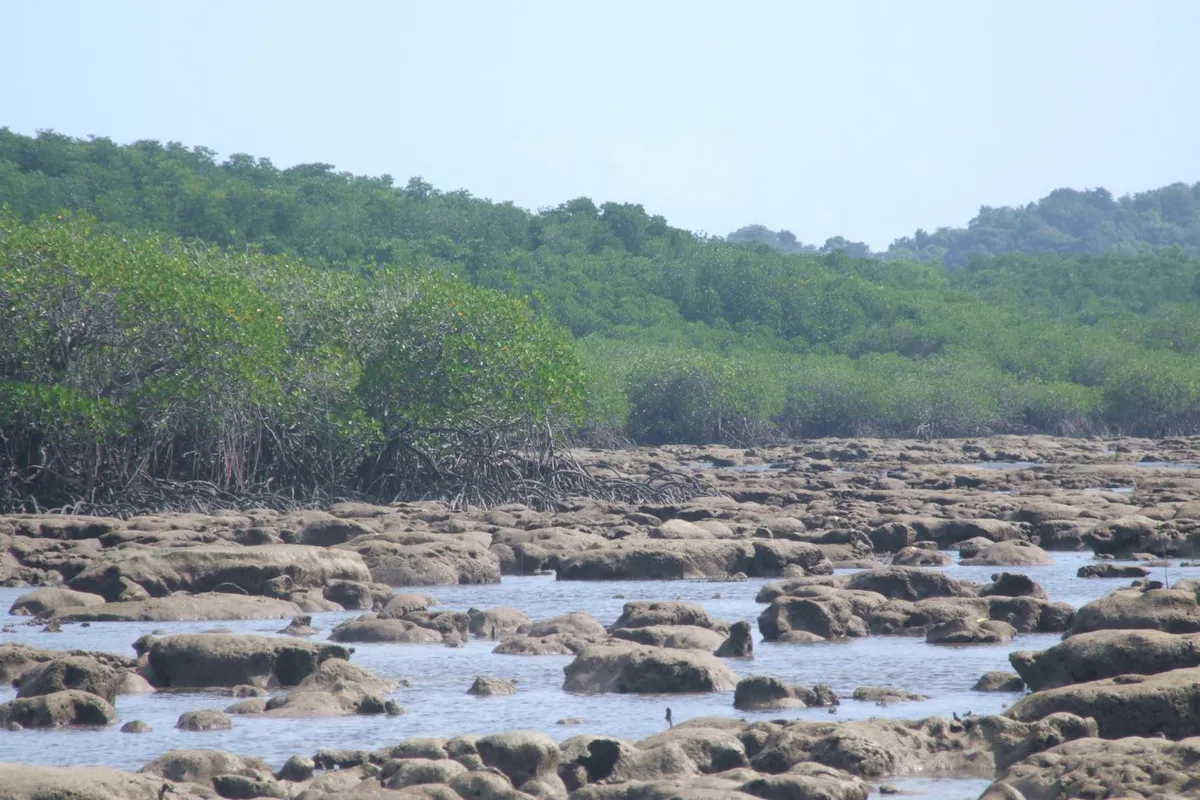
(437, 703)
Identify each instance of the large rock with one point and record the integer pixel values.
(682, 637)
(764, 693)
(493, 623)
(969, 631)
(69, 707)
(372, 629)
(328, 532)
(435, 563)
(678, 560)
(1168, 610)
(522, 756)
(1127, 705)
(645, 613)
(1012, 553)
(49, 600)
(219, 659)
(70, 672)
(1106, 654)
(203, 766)
(336, 688)
(1124, 536)
(178, 607)
(205, 720)
(910, 583)
(573, 623)
(16, 659)
(740, 642)
(1013, 584)
(25, 782)
(161, 571)
(1091, 767)
(635, 669)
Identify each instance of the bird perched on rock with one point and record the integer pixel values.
(670, 722)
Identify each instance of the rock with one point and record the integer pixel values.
(1126, 705)
(910, 583)
(1124, 536)
(920, 557)
(576, 623)
(485, 786)
(709, 749)
(999, 681)
(1010, 554)
(963, 631)
(355, 596)
(493, 623)
(203, 721)
(136, 726)
(203, 767)
(666, 560)
(1111, 571)
(242, 787)
(817, 783)
(435, 563)
(522, 756)
(828, 616)
(68, 707)
(296, 769)
(200, 568)
(403, 603)
(679, 529)
(882, 695)
(1168, 610)
(1106, 654)
(213, 606)
(950, 531)
(486, 686)
(48, 600)
(208, 659)
(626, 669)
(1040, 512)
(539, 646)
(762, 693)
(1013, 584)
(328, 532)
(22, 782)
(299, 626)
(646, 613)
(400, 773)
(1094, 767)
(16, 659)
(740, 642)
(683, 637)
(70, 672)
(396, 631)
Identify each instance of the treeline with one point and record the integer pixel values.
(678, 338)
(1066, 221)
(131, 363)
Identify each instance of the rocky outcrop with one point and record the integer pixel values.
(70, 672)
(1013, 553)
(58, 709)
(678, 560)
(999, 681)
(1169, 610)
(177, 607)
(763, 693)
(430, 563)
(202, 568)
(647, 613)
(216, 659)
(635, 669)
(910, 583)
(22, 782)
(682, 637)
(487, 686)
(40, 602)
(1132, 767)
(1106, 654)
(206, 720)
(369, 628)
(1126, 705)
(739, 643)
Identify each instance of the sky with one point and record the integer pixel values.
(861, 119)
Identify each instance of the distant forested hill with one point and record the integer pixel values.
(1065, 221)
(1077, 314)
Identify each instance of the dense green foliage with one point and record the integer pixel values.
(1066, 221)
(679, 337)
(129, 356)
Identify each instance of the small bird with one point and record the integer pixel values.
(670, 722)
(955, 715)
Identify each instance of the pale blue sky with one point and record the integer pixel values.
(864, 119)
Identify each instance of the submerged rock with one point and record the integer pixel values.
(636, 669)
